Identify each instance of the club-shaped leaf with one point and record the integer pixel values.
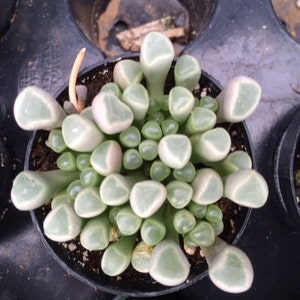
(62, 223)
(186, 174)
(36, 109)
(56, 141)
(74, 188)
(175, 150)
(153, 229)
(238, 100)
(168, 264)
(207, 186)
(90, 177)
(117, 256)
(127, 72)
(201, 119)
(60, 198)
(132, 159)
(211, 146)
(141, 257)
(137, 98)
(110, 113)
(83, 161)
(247, 188)
(146, 197)
(184, 221)
(67, 161)
(156, 56)
(198, 210)
(209, 103)
(81, 134)
(179, 193)
(115, 189)
(95, 233)
(187, 72)
(130, 137)
(159, 171)
(148, 149)
(107, 158)
(202, 234)
(181, 103)
(88, 203)
(128, 222)
(229, 268)
(233, 162)
(113, 88)
(32, 189)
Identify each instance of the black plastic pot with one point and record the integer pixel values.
(137, 286)
(5, 174)
(193, 15)
(284, 170)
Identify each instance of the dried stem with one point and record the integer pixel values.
(73, 77)
(294, 89)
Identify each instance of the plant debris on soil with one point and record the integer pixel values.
(89, 262)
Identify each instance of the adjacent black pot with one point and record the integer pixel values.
(5, 174)
(284, 170)
(138, 286)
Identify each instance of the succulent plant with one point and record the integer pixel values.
(138, 169)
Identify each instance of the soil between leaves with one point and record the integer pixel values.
(89, 262)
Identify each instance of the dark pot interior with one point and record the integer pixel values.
(135, 285)
(101, 20)
(284, 170)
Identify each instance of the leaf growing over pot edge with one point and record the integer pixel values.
(238, 99)
(31, 189)
(247, 188)
(36, 109)
(168, 264)
(229, 268)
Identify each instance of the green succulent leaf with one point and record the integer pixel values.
(208, 186)
(117, 256)
(238, 99)
(88, 203)
(107, 158)
(175, 150)
(111, 114)
(247, 188)
(95, 233)
(168, 264)
(156, 57)
(62, 224)
(81, 134)
(127, 72)
(187, 72)
(31, 189)
(229, 268)
(36, 109)
(146, 197)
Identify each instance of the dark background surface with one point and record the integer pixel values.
(242, 38)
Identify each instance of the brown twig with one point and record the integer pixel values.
(73, 77)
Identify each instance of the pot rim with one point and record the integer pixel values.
(112, 289)
(284, 168)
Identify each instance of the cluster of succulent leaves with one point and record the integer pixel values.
(138, 168)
